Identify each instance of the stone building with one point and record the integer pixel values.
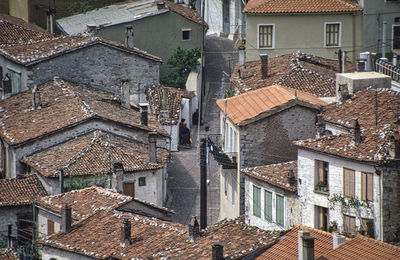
(257, 128)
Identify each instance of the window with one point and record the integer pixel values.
(348, 182)
(280, 210)
(256, 201)
(50, 227)
(321, 218)
(142, 181)
(349, 224)
(268, 205)
(367, 227)
(129, 189)
(321, 175)
(367, 190)
(332, 34)
(15, 81)
(266, 36)
(396, 37)
(186, 34)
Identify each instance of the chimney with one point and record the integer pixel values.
(160, 5)
(242, 58)
(118, 177)
(217, 251)
(355, 132)
(129, 36)
(320, 125)
(125, 95)
(342, 93)
(264, 65)
(91, 28)
(36, 98)
(308, 247)
(291, 177)
(144, 116)
(194, 229)
(66, 218)
(51, 17)
(300, 235)
(338, 240)
(125, 233)
(62, 181)
(153, 146)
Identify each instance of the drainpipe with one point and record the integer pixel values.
(384, 40)
(380, 206)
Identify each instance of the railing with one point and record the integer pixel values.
(228, 160)
(388, 69)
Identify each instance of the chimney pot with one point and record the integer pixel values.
(153, 146)
(217, 251)
(129, 36)
(194, 229)
(66, 218)
(36, 97)
(144, 116)
(308, 247)
(125, 233)
(338, 240)
(118, 177)
(264, 65)
(355, 132)
(320, 125)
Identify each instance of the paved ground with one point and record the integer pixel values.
(184, 170)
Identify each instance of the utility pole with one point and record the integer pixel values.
(203, 183)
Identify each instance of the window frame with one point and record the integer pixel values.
(318, 210)
(190, 34)
(273, 37)
(344, 183)
(325, 167)
(142, 181)
(339, 35)
(277, 211)
(256, 210)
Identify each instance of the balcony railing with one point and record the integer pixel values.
(228, 160)
(388, 69)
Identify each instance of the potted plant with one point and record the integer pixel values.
(321, 186)
(333, 226)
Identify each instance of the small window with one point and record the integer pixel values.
(321, 175)
(348, 183)
(142, 181)
(15, 78)
(367, 189)
(332, 34)
(256, 201)
(280, 208)
(50, 227)
(268, 205)
(266, 36)
(349, 225)
(186, 34)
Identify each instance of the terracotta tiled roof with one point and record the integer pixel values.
(21, 191)
(275, 174)
(376, 140)
(361, 248)
(155, 96)
(287, 248)
(63, 105)
(188, 13)
(299, 71)
(8, 254)
(14, 30)
(32, 53)
(156, 239)
(301, 6)
(84, 202)
(93, 154)
(264, 102)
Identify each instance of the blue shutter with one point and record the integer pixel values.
(256, 201)
(279, 210)
(268, 205)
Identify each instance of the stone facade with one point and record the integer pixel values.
(9, 215)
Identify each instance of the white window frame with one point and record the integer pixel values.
(340, 34)
(273, 37)
(186, 30)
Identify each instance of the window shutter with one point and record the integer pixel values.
(345, 183)
(256, 201)
(268, 206)
(363, 186)
(50, 227)
(370, 187)
(352, 183)
(348, 184)
(279, 210)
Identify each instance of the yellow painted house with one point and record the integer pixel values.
(318, 27)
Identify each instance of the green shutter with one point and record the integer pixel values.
(268, 205)
(279, 210)
(256, 201)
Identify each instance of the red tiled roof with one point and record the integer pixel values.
(361, 248)
(274, 174)
(14, 30)
(64, 104)
(187, 12)
(21, 191)
(301, 6)
(287, 248)
(32, 53)
(8, 254)
(93, 154)
(84, 202)
(304, 72)
(264, 102)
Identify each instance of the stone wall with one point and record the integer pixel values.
(391, 203)
(9, 216)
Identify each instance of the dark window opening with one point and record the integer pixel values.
(142, 181)
(185, 35)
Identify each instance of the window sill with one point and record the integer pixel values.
(322, 192)
(331, 47)
(270, 48)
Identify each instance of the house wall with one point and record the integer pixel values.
(168, 26)
(309, 198)
(42, 217)
(304, 33)
(19, 9)
(292, 211)
(49, 253)
(173, 131)
(9, 216)
(4, 7)
(229, 194)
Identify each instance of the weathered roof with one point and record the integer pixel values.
(20, 191)
(35, 52)
(363, 247)
(155, 96)
(127, 11)
(376, 139)
(301, 6)
(157, 239)
(8, 254)
(287, 248)
(93, 154)
(275, 174)
(299, 71)
(264, 102)
(84, 202)
(64, 105)
(14, 30)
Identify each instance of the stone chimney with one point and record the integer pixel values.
(338, 240)
(217, 251)
(36, 98)
(242, 58)
(308, 247)
(125, 233)
(291, 177)
(300, 235)
(125, 94)
(320, 125)
(160, 5)
(66, 218)
(355, 132)
(264, 65)
(144, 115)
(118, 177)
(129, 36)
(194, 229)
(91, 28)
(342, 93)
(153, 146)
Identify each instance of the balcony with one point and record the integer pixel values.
(228, 160)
